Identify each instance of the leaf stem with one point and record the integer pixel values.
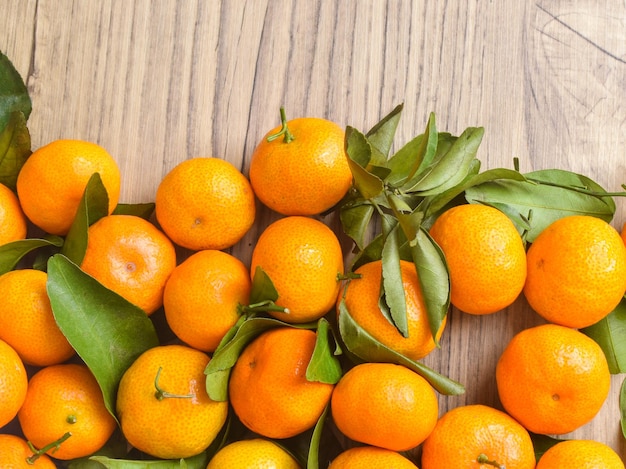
(284, 130)
(37, 453)
(160, 394)
(484, 459)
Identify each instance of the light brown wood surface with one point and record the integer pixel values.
(157, 82)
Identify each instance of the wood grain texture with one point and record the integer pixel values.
(159, 82)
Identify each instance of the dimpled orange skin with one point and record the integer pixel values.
(580, 454)
(132, 257)
(202, 296)
(370, 457)
(26, 319)
(66, 398)
(295, 252)
(172, 427)
(14, 453)
(384, 405)
(466, 432)
(253, 453)
(52, 181)
(268, 388)
(486, 257)
(361, 300)
(205, 203)
(306, 176)
(552, 379)
(13, 383)
(576, 271)
(13, 225)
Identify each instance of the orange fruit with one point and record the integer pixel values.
(304, 173)
(581, 454)
(13, 225)
(202, 296)
(16, 454)
(576, 271)
(478, 436)
(52, 181)
(205, 203)
(132, 257)
(552, 379)
(370, 457)
(268, 388)
(253, 453)
(64, 399)
(486, 257)
(384, 405)
(163, 406)
(26, 319)
(13, 383)
(361, 297)
(296, 252)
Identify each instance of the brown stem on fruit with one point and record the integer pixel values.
(160, 394)
(483, 459)
(284, 130)
(37, 453)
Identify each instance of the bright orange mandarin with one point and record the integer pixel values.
(478, 436)
(253, 453)
(552, 379)
(581, 454)
(53, 179)
(15, 454)
(163, 406)
(268, 388)
(66, 398)
(132, 257)
(205, 203)
(202, 295)
(13, 383)
(361, 297)
(305, 176)
(384, 405)
(370, 457)
(485, 255)
(297, 252)
(576, 271)
(13, 225)
(26, 319)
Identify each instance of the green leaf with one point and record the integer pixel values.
(94, 204)
(324, 366)
(263, 288)
(382, 134)
(392, 292)
(218, 369)
(316, 437)
(622, 407)
(144, 211)
(14, 149)
(13, 92)
(355, 218)
(362, 345)
(610, 333)
(11, 253)
(196, 462)
(542, 443)
(359, 153)
(106, 331)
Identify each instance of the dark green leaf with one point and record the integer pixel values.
(371, 252)
(359, 154)
(622, 407)
(381, 135)
(196, 462)
(324, 365)
(392, 286)
(263, 288)
(11, 253)
(93, 205)
(355, 218)
(144, 211)
(14, 148)
(316, 437)
(610, 334)
(13, 92)
(106, 331)
(542, 443)
(361, 344)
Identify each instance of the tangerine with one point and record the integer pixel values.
(52, 182)
(576, 271)
(205, 203)
(398, 411)
(301, 168)
(485, 255)
(581, 454)
(552, 379)
(15, 453)
(253, 453)
(13, 226)
(369, 457)
(13, 383)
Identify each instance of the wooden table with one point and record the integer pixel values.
(157, 82)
